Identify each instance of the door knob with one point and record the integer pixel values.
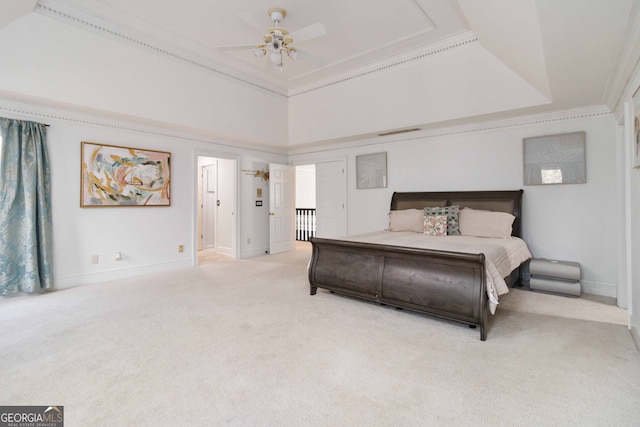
(272, 213)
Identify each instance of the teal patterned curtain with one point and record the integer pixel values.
(26, 263)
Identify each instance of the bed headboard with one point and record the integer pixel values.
(498, 201)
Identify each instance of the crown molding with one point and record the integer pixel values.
(70, 15)
(34, 110)
(621, 78)
(460, 40)
(467, 129)
(171, 47)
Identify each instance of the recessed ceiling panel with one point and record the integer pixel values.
(355, 28)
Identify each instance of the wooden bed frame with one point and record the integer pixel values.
(450, 285)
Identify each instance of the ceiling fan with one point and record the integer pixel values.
(278, 41)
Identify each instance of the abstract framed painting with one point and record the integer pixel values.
(123, 176)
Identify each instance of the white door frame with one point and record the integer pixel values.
(321, 159)
(194, 202)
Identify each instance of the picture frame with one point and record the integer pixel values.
(117, 176)
(371, 171)
(554, 159)
(636, 128)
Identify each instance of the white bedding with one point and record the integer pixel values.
(502, 256)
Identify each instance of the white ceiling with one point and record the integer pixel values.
(568, 51)
(565, 49)
(358, 31)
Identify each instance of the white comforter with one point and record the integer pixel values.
(502, 256)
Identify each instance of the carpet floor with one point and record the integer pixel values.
(241, 342)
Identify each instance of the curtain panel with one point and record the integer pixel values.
(26, 261)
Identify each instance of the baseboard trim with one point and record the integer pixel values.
(123, 273)
(253, 253)
(224, 251)
(602, 289)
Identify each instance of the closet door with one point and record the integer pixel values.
(209, 205)
(331, 199)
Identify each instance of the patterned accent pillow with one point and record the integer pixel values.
(435, 225)
(451, 213)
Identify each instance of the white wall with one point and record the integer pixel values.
(255, 240)
(571, 222)
(147, 237)
(566, 222)
(408, 95)
(634, 257)
(66, 64)
(632, 177)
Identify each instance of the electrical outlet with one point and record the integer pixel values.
(118, 256)
(95, 259)
(180, 248)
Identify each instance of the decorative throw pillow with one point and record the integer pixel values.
(435, 225)
(451, 212)
(474, 222)
(406, 220)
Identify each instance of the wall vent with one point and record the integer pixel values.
(395, 132)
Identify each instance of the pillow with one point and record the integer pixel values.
(435, 225)
(451, 213)
(406, 220)
(480, 223)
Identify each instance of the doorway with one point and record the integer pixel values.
(322, 187)
(216, 209)
(305, 203)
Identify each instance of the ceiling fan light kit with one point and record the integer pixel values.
(278, 41)
(276, 58)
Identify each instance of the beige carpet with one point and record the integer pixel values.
(242, 343)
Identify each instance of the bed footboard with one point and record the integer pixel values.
(450, 285)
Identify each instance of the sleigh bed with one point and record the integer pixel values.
(408, 269)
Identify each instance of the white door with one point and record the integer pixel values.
(331, 199)
(209, 204)
(226, 207)
(200, 208)
(281, 208)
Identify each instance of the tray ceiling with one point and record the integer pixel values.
(553, 55)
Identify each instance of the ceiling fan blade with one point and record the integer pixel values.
(251, 22)
(240, 47)
(312, 59)
(308, 33)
